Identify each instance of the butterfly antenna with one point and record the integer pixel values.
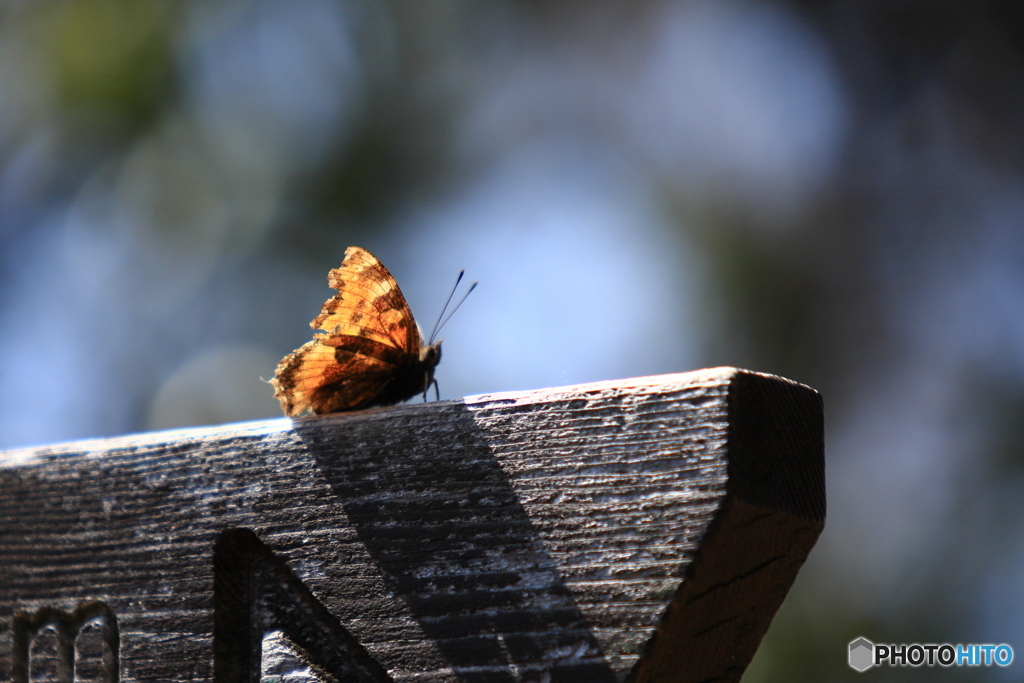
(464, 297)
(437, 323)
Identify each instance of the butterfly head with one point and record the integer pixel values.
(430, 355)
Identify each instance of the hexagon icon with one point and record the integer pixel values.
(862, 654)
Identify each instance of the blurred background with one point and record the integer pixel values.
(832, 191)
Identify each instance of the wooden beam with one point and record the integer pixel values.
(643, 530)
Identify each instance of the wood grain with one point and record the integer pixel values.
(642, 530)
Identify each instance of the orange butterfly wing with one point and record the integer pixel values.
(369, 339)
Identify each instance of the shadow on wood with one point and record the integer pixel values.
(451, 538)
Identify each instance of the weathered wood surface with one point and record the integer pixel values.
(642, 530)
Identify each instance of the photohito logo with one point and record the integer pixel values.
(864, 654)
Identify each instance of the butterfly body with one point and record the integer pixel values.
(370, 351)
(405, 377)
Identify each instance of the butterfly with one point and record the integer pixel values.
(370, 351)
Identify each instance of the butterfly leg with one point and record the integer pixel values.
(437, 390)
